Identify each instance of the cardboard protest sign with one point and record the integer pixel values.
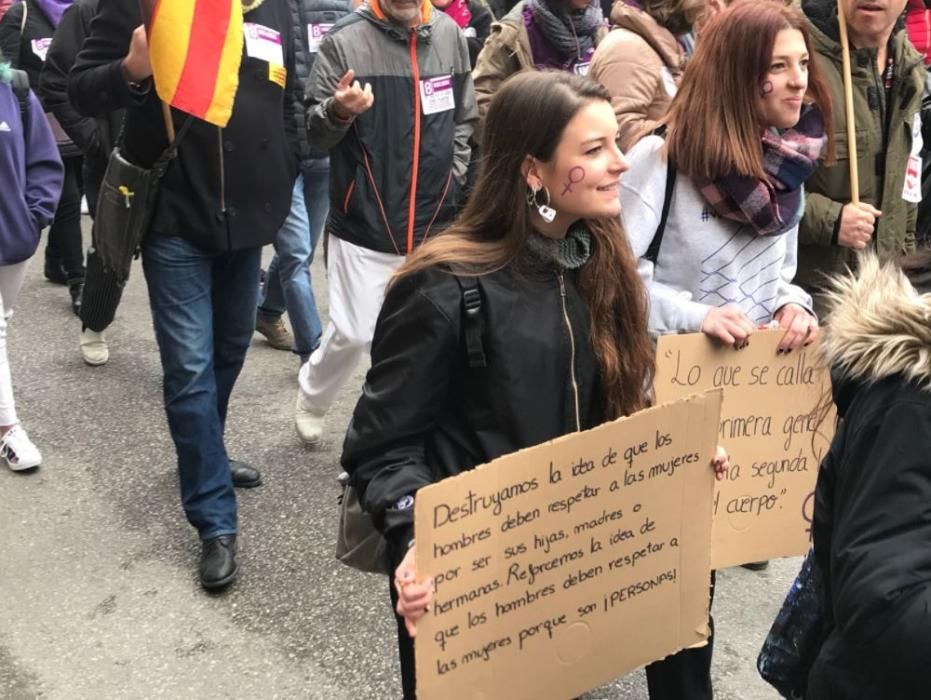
(771, 430)
(565, 565)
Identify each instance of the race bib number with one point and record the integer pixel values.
(40, 48)
(436, 94)
(263, 43)
(315, 34)
(911, 191)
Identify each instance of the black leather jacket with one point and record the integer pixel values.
(425, 414)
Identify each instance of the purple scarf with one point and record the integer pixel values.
(772, 206)
(54, 9)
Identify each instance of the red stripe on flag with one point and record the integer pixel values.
(149, 10)
(204, 50)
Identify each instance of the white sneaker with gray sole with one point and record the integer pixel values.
(17, 450)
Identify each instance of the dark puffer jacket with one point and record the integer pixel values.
(425, 414)
(872, 523)
(313, 19)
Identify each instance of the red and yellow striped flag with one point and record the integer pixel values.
(195, 47)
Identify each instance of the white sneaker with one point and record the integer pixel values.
(18, 451)
(308, 422)
(94, 348)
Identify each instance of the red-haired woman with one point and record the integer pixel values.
(712, 208)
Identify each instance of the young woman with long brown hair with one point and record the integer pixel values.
(564, 344)
(712, 207)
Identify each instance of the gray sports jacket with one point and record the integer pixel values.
(395, 171)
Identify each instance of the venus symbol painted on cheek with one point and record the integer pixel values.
(766, 88)
(576, 175)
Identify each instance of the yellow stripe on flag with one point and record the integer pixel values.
(224, 95)
(168, 45)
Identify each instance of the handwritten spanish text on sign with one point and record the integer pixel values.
(772, 432)
(563, 566)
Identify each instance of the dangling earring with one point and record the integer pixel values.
(547, 213)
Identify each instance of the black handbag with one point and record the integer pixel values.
(125, 205)
(793, 642)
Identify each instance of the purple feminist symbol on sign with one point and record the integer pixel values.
(766, 88)
(576, 175)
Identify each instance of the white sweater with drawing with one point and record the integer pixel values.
(705, 260)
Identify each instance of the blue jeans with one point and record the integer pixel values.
(203, 313)
(287, 284)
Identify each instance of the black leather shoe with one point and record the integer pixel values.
(55, 271)
(218, 565)
(756, 566)
(244, 476)
(76, 289)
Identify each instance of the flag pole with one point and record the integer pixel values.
(848, 105)
(146, 10)
(169, 124)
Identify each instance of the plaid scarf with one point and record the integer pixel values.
(772, 206)
(570, 33)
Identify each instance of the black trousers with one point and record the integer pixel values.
(686, 675)
(682, 676)
(64, 237)
(405, 649)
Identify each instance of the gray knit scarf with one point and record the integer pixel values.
(571, 33)
(569, 253)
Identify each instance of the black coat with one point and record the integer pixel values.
(26, 46)
(228, 189)
(872, 519)
(425, 414)
(95, 137)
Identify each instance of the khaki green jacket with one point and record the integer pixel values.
(881, 171)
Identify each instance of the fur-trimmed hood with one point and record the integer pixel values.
(878, 326)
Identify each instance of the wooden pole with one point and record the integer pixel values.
(169, 124)
(848, 104)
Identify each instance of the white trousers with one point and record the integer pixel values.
(11, 281)
(356, 278)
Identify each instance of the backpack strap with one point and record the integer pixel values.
(652, 253)
(473, 320)
(20, 85)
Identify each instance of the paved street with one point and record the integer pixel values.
(98, 592)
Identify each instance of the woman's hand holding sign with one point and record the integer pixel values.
(414, 598)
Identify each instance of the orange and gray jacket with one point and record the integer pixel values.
(396, 170)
